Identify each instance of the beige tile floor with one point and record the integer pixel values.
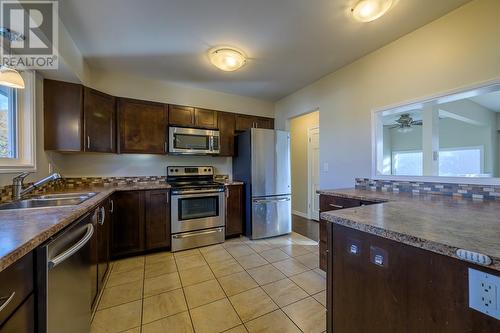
(271, 285)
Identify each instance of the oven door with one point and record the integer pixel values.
(193, 141)
(196, 211)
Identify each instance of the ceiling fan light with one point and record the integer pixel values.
(10, 77)
(227, 58)
(370, 10)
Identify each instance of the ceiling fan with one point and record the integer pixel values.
(405, 123)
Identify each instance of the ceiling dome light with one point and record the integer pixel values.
(369, 10)
(227, 58)
(9, 77)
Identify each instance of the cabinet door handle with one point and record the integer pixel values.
(166, 147)
(336, 206)
(6, 300)
(112, 206)
(88, 141)
(103, 215)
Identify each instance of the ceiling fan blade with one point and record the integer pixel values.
(417, 122)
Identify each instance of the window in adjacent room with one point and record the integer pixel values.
(461, 162)
(407, 163)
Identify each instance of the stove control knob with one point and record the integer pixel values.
(176, 170)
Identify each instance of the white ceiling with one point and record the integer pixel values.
(291, 43)
(490, 101)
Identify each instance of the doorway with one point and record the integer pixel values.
(304, 137)
(313, 173)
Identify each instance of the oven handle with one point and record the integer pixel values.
(197, 233)
(198, 193)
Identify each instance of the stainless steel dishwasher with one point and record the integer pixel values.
(64, 280)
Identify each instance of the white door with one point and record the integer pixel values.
(313, 158)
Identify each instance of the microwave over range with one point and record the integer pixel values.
(193, 141)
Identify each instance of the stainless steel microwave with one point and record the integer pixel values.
(193, 141)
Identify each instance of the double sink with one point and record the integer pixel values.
(49, 200)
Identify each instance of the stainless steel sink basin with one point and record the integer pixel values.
(50, 200)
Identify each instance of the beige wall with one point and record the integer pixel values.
(454, 51)
(298, 145)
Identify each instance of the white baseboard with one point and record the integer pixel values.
(304, 215)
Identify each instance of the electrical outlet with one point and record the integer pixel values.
(484, 293)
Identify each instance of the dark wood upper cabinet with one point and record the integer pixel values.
(142, 126)
(127, 229)
(181, 115)
(265, 123)
(99, 111)
(234, 210)
(227, 132)
(157, 219)
(62, 115)
(205, 118)
(245, 122)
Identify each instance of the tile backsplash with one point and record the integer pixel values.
(479, 192)
(68, 183)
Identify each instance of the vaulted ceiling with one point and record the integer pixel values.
(290, 43)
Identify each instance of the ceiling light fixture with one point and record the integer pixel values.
(227, 58)
(370, 10)
(9, 76)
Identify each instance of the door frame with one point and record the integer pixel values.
(309, 172)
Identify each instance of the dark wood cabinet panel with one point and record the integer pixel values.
(234, 210)
(414, 291)
(62, 115)
(265, 123)
(227, 132)
(205, 118)
(328, 203)
(127, 230)
(181, 116)
(157, 219)
(99, 111)
(16, 280)
(245, 122)
(23, 320)
(142, 126)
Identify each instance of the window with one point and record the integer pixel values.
(17, 126)
(461, 162)
(407, 163)
(8, 107)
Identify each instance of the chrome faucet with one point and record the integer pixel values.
(18, 190)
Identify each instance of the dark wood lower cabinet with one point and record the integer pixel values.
(328, 203)
(234, 210)
(157, 219)
(23, 320)
(127, 231)
(413, 291)
(141, 222)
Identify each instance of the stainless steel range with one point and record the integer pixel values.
(197, 207)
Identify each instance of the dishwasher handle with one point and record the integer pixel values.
(72, 250)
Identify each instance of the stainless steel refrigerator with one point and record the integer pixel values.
(262, 161)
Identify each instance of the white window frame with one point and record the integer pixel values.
(452, 95)
(25, 144)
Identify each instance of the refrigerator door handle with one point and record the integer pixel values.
(271, 200)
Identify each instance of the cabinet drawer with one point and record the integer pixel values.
(328, 203)
(16, 285)
(23, 320)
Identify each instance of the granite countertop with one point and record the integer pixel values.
(23, 230)
(441, 224)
